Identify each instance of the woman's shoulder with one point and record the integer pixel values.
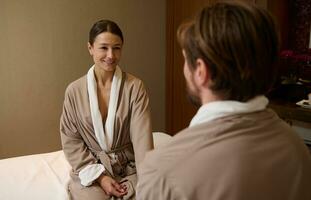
(134, 86)
(132, 80)
(76, 85)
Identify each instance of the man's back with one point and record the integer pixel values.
(250, 156)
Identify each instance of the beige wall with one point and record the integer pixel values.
(43, 49)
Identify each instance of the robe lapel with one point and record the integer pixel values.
(104, 136)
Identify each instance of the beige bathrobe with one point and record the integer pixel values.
(253, 156)
(132, 136)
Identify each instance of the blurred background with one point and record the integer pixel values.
(44, 48)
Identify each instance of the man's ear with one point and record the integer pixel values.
(201, 73)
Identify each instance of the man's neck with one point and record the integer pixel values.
(208, 96)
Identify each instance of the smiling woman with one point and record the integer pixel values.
(106, 51)
(105, 125)
(105, 45)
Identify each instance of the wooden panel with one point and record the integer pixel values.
(280, 11)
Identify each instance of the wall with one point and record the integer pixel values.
(43, 49)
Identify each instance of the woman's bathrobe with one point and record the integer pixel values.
(116, 147)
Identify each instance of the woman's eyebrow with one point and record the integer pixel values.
(107, 44)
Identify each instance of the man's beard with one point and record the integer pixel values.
(193, 97)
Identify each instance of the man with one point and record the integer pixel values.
(235, 148)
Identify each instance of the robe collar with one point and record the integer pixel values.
(103, 135)
(217, 109)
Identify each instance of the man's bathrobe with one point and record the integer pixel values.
(246, 156)
(115, 147)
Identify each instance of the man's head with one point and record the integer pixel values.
(230, 49)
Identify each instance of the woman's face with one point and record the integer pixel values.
(106, 51)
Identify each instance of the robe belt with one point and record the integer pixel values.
(116, 161)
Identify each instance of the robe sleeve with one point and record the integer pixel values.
(140, 126)
(80, 158)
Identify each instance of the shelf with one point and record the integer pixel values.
(290, 111)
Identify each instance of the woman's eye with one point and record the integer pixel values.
(117, 48)
(105, 48)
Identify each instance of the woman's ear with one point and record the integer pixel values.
(89, 47)
(201, 73)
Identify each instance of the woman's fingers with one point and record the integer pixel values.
(112, 187)
(117, 190)
(119, 187)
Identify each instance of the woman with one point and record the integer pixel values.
(105, 125)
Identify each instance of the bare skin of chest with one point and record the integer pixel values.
(103, 101)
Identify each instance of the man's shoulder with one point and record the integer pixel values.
(174, 164)
(206, 141)
(170, 155)
(219, 152)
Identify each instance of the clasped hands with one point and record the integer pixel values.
(111, 187)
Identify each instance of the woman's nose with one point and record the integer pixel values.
(110, 53)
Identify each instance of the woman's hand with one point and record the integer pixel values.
(111, 187)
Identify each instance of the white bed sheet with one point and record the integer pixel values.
(39, 176)
(43, 176)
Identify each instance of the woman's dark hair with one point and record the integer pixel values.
(239, 43)
(102, 26)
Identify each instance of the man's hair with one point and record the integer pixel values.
(239, 44)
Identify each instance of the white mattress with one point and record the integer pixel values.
(39, 176)
(42, 176)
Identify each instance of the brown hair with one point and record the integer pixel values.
(239, 43)
(102, 26)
